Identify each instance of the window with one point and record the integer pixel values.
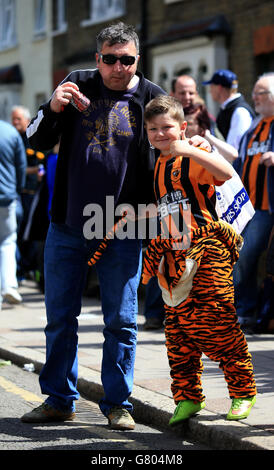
(102, 10)
(39, 17)
(198, 57)
(7, 24)
(59, 24)
(8, 98)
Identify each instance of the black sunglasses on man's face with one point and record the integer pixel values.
(111, 59)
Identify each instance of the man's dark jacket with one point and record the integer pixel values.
(47, 127)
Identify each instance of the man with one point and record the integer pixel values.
(103, 152)
(235, 115)
(12, 179)
(184, 88)
(255, 165)
(20, 119)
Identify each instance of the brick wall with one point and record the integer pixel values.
(246, 18)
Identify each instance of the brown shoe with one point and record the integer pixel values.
(46, 414)
(120, 418)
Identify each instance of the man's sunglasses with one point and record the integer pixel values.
(111, 59)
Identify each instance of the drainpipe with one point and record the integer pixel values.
(143, 36)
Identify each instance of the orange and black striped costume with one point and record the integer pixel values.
(109, 236)
(254, 174)
(196, 282)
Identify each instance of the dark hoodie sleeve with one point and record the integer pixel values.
(45, 128)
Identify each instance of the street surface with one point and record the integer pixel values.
(20, 392)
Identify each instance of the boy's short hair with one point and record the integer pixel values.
(164, 104)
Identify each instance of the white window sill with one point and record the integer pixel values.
(92, 21)
(61, 30)
(39, 35)
(5, 47)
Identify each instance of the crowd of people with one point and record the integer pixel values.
(134, 132)
(22, 252)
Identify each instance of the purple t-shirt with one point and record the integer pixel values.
(105, 154)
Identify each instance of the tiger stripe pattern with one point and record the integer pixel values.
(109, 236)
(206, 322)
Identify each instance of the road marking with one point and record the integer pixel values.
(11, 388)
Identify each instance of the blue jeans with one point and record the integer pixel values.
(8, 237)
(119, 271)
(256, 236)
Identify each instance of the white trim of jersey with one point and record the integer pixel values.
(32, 128)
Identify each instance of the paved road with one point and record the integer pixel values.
(20, 392)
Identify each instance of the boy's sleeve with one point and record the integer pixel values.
(204, 176)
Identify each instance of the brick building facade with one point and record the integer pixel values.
(193, 36)
(177, 35)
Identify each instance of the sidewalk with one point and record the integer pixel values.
(22, 341)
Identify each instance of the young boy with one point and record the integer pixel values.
(193, 258)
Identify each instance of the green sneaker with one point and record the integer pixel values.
(240, 408)
(184, 410)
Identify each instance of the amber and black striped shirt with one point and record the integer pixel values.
(254, 174)
(185, 194)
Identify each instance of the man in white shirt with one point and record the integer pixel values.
(235, 115)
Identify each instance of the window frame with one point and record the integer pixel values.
(8, 37)
(40, 18)
(113, 11)
(61, 24)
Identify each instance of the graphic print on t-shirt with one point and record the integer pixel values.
(106, 150)
(110, 121)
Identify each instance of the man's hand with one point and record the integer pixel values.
(199, 141)
(62, 96)
(267, 159)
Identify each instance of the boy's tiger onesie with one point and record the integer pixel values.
(195, 274)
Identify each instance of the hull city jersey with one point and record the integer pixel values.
(185, 194)
(254, 174)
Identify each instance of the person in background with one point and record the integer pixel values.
(20, 118)
(184, 89)
(265, 315)
(12, 179)
(198, 122)
(255, 166)
(235, 115)
(40, 214)
(154, 312)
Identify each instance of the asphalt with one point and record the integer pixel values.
(22, 341)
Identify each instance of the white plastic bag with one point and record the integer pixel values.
(233, 204)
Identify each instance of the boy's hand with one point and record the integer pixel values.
(180, 147)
